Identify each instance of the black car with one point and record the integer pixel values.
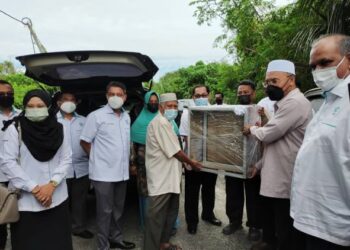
(86, 73)
(315, 97)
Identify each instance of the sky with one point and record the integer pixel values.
(165, 30)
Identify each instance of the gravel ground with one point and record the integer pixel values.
(208, 237)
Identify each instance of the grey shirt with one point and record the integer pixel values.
(282, 136)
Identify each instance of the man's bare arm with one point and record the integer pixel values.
(181, 156)
(86, 146)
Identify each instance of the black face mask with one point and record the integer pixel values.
(6, 101)
(274, 93)
(152, 107)
(218, 101)
(244, 99)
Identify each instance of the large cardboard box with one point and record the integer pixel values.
(216, 138)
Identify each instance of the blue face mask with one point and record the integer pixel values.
(201, 101)
(170, 114)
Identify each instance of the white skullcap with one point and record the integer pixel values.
(281, 66)
(168, 97)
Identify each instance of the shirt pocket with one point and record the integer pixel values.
(107, 128)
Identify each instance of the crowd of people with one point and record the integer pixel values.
(297, 195)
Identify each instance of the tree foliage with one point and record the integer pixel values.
(220, 77)
(256, 32)
(20, 83)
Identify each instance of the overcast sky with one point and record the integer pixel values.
(165, 30)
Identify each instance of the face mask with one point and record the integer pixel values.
(327, 78)
(274, 93)
(115, 102)
(170, 114)
(244, 99)
(68, 107)
(36, 114)
(6, 101)
(152, 107)
(201, 101)
(218, 101)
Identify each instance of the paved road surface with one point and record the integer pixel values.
(208, 237)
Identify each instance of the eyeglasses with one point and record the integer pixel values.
(6, 93)
(273, 81)
(200, 96)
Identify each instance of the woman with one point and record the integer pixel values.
(138, 137)
(35, 157)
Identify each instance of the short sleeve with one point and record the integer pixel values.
(90, 128)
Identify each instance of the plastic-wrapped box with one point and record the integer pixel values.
(216, 138)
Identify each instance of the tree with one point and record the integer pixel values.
(6, 68)
(220, 77)
(256, 32)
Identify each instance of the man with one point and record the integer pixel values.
(106, 138)
(77, 177)
(163, 171)
(7, 112)
(219, 98)
(320, 204)
(195, 180)
(237, 187)
(282, 137)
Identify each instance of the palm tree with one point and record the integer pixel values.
(321, 17)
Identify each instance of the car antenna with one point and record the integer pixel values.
(33, 36)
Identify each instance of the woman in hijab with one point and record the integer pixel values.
(35, 156)
(138, 137)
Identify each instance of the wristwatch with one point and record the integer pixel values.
(54, 183)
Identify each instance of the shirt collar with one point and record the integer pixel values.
(109, 110)
(60, 115)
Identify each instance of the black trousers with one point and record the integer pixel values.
(277, 223)
(3, 236)
(236, 190)
(3, 228)
(77, 196)
(194, 182)
(304, 241)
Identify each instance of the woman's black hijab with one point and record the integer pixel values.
(43, 138)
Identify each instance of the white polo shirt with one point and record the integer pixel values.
(80, 159)
(320, 197)
(163, 170)
(184, 129)
(268, 105)
(31, 172)
(109, 135)
(3, 118)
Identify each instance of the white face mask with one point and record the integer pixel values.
(36, 114)
(68, 107)
(115, 102)
(327, 78)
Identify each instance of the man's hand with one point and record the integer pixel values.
(264, 118)
(246, 129)
(133, 170)
(196, 166)
(261, 112)
(253, 173)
